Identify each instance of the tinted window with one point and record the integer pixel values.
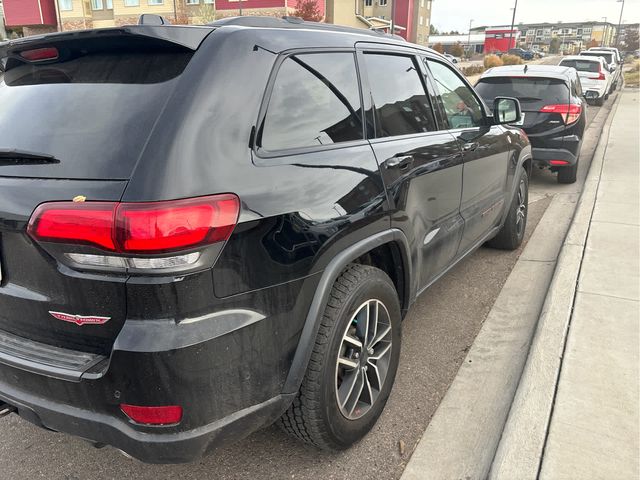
(315, 101)
(402, 105)
(582, 65)
(461, 107)
(527, 90)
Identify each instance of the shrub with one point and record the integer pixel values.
(472, 70)
(457, 50)
(492, 61)
(512, 60)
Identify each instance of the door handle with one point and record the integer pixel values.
(470, 147)
(401, 162)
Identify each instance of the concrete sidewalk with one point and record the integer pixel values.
(576, 411)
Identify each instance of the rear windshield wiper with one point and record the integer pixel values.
(10, 157)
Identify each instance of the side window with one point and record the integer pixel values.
(402, 105)
(461, 107)
(315, 101)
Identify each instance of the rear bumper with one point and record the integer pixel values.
(543, 156)
(226, 369)
(149, 447)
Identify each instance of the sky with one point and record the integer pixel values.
(447, 15)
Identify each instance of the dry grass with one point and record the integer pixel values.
(512, 60)
(632, 75)
(472, 70)
(492, 61)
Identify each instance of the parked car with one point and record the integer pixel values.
(553, 111)
(618, 56)
(539, 54)
(594, 74)
(520, 52)
(610, 58)
(451, 58)
(187, 257)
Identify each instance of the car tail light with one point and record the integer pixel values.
(558, 162)
(600, 74)
(149, 228)
(166, 415)
(40, 54)
(570, 112)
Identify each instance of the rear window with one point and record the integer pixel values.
(91, 107)
(527, 90)
(582, 65)
(607, 56)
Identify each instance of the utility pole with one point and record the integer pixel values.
(393, 17)
(175, 12)
(469, 40)
(619, 24)
(604, 31)
(513, 21)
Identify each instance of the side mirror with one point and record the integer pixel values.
(506, 110)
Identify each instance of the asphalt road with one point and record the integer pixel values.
(436, 336)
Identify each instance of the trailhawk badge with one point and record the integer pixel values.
(80, 319)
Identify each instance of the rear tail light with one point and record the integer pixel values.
(151, 228)
(40, 54)
(166, 415)
(570, 112)
(558, 162)
(600, 74)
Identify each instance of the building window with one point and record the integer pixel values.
(421, 20)
(368, 3)
(109, 4)
(96, 5)
(383, 3)
(156, 2)
(209, 2)
(192, 2)
(66, 5)
(131, 3)
(421, 3)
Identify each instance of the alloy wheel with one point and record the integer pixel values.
(363, 359)
(521, 212)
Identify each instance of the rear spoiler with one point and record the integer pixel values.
(186, 36)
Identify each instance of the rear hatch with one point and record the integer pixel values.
(589, 72)
(76, 112)
(536, 95)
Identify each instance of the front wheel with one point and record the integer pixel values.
(511, 234)
(353, 365)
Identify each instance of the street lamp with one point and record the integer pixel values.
(513, 21)
(469, 40)
(619, 24)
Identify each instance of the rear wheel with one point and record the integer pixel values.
(600, 101)
(511, 234)
(568, 174)
(353, 365)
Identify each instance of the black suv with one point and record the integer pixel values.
(554, 111)
(207, 229)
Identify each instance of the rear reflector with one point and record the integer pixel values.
(167, 415)
(40, 54)
(569, 111)
(558, 162)
(147, 228)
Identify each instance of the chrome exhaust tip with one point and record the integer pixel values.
(6, 409)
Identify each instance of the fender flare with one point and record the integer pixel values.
(321, 296)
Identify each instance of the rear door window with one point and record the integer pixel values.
(402, 104)
(315, 101)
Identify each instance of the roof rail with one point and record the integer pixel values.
(295, 22)
(152, 19)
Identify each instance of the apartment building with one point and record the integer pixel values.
(411, 21)
(571, 37)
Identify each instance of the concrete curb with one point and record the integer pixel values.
(518, 455)
(463, 435)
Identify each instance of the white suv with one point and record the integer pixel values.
(594, 76)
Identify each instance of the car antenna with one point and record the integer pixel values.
(526, 67)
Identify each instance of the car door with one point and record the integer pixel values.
(420, 163)
(485, 150)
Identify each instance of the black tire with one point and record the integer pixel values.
(315, 416)
(568, 174)
(511, 234)
(599, 101)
